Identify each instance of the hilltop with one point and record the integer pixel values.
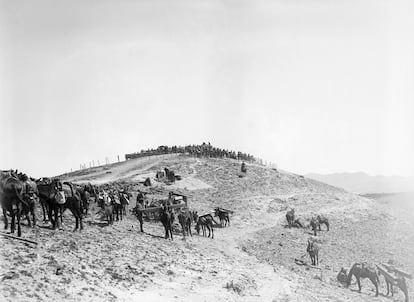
(252, 260)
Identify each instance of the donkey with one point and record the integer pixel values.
(205, 221)
(223, 216)
(361, 271)
(59, 197)
(314, 224)
(194, 216)
(290, 217)
(313, 251)
(298, 223)
(322, 220)
(184, 218)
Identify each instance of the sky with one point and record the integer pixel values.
(314, 86)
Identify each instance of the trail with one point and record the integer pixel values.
(270, 282)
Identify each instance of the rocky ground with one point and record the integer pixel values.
(252, 260)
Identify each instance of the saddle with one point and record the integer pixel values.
(60, 197)
(125, 197)
(116, 200)
(106, 200)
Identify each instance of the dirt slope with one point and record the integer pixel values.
(252, 260)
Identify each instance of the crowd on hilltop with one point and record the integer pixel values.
(203, 150)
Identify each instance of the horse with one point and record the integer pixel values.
(298, 223)
(323, 220)
(73, 203)
(85, 196)
(59, 197)
(43, 203)
(314, 224)
(290, 217)
(52, 199)
(167, 220)
(12, 200)
(399, 282)
(205, 221)
(184, 218)
(362, 271)
(223, 216)
(313, 251)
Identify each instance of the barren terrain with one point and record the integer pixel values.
(252, 260)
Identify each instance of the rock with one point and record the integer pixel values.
(10, 275)
(59, 270)
(241, 285)
(170, 272)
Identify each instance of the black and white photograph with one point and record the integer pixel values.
(207, 150)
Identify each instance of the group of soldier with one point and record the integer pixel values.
(203, 150)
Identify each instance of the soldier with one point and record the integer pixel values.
(243, 167)
(140, 198)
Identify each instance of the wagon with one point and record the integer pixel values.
(177, 198)
(394, 277)
(391, 273)
(176, 202)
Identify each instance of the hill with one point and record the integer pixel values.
(252, 260)
(362, 183)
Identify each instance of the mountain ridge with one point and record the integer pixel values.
(363, 183)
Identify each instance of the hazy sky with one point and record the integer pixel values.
(314, 86)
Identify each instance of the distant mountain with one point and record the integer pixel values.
(362, 183)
